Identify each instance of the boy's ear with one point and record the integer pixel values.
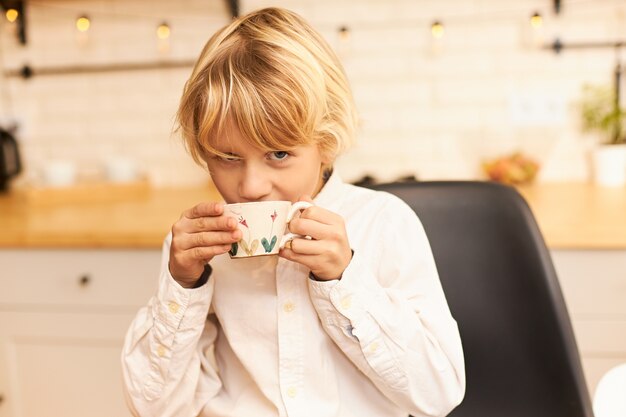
(328, 159)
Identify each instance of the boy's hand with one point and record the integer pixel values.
(328, 253)
(201, 233)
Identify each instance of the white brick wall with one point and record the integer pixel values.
(433, 109)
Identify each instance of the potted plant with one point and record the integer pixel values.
(602, 114)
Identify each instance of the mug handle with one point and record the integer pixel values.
(299, 206)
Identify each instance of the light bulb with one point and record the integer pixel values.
(437, 29)
(536, 21)
(163, 31)
(12, 15)
(83, 23)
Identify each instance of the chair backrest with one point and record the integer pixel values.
(520, 353)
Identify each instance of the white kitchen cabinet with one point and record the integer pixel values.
(63, 317)
(594, 287)
(64, 313)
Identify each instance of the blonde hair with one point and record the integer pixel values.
(277, 79)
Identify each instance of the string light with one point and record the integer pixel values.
(12, 15)
(536, 21)
(437, 29)
(83, 23)
(163, 31)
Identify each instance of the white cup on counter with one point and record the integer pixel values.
(58, 173)
(120, 169)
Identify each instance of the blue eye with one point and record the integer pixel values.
(278, 155)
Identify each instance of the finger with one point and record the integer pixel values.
(328, 271)
(202, 253)
(213, 223)
(308, 247)
(321, 215)
(306, 260)
(309, 261)
(204, 209)
(203, 224)
(308, 227)
(207, 239)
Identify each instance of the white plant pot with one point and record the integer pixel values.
(609, 165)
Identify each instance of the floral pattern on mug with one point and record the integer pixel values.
(269, 245)
(249, 246)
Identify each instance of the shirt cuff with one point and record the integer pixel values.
(180, 308)
(348, 296)
(314, 278)
(206, 274)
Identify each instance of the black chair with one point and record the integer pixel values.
(521, 357)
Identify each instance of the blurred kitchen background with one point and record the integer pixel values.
(440, 86)
(445, 89)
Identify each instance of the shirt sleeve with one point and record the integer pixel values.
(389, 315)
(166, 371)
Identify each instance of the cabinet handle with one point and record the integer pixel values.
(84, 280)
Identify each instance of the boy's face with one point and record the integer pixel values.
(252, 174)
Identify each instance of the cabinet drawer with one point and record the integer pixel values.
(62, 364)
(78, 278)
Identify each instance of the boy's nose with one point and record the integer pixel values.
(255, 185)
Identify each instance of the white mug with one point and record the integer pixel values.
(263, 225)
(120, 169)
(58, 173)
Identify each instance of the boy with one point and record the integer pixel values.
(351, 322)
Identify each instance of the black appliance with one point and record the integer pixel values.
(10, 164)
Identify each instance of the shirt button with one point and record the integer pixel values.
(289, 307)
(346, 302)
(173, 307)
(373, 347)
(161, 351)
(292, 392)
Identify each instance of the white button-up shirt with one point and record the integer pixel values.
(262, 339)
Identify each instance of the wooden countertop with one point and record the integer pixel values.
(137, 222)
(579, 215)
(570, 215)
